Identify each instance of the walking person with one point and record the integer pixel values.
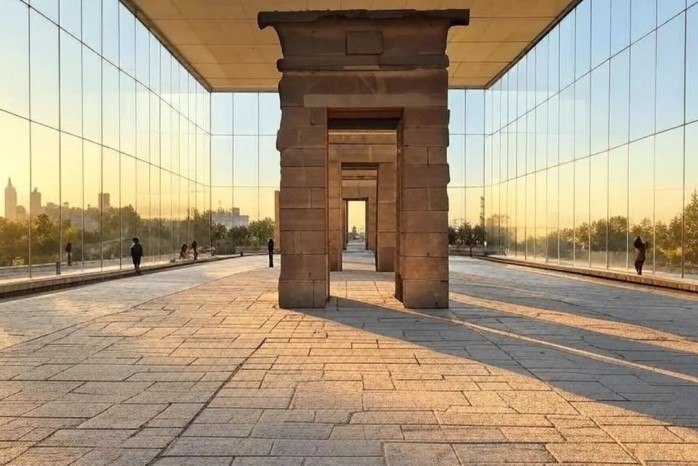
(136, 254)
(196, 251)
(270, 248)
(69, 254)
(640, 254)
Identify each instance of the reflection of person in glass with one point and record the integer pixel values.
(136, 254)
(69, 254)
(183, 251)
(640, 253)
(194, 249)
(270, 247)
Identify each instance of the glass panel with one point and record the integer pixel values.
(154, 120)
(474, 161)
(620, 25)
(641, 197)
(167, 246)
(127, 111)
(166, 76)
(554, 61)
(142, 54)
(154, 241)
(618, 208)
(164, 135)
(222, 161)
(566, 213)
(44, 200)
(92, 95)
(553, 131)
(92, 186)
(14, 58)
(541, 137)
(582, 117)
(521, 146)
(155, 49)
(691, 203)
(71, 85)
(581, 213)
(109, 201)
(269, 162)
(245, 161)
(14, 176)
(110, 111)
(670, 74)
(599, 209)
(269, 113)
(92, 24)
(110, 30)
(475, 112)
(456, 202)
(620, 99)
(71, 202)
(667, 9)
(567, 57)
(127, 41)
(691, 65)
(643, 18)
(540, 233)
(669, 200)
(245, 114)
(142, 123)
(553, 217)
(456, 106)
(46, 7)
(520, 206)
(600, 110)
(567, 125)
(143, 203)
(456, 160)
(642, 87)
(222, 108)
(530, 227)
(44, 70)
(583, 39)
(247, 200)
(129, 218)
(542, 82)
(600, 31)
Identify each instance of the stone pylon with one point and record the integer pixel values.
(366, 65)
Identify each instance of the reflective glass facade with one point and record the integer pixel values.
(103, 136)
(585, 143)
(592, 140)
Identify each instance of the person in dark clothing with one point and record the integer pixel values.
(270, 248)
(69, 254)
(183, 251)
(136, 254)
(640, 254)
(194, 249)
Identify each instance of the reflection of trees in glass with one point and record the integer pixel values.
(256, 234)
(614, 235)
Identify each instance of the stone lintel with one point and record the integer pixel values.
(453, 17)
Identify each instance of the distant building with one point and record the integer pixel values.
(230, 218)
(10, 201)
(35, 208)
(104, 201)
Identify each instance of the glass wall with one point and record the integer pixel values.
(591, 141)
(103, 136)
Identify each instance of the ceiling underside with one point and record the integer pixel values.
(220, 43)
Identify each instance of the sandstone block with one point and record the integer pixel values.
(303, 267)
(437, 156)
(415, 155)
(415, 199)
(425, 176)
(385, 259)
(303, 219)
(424, 268)
(313, 242)
(424, 244)
(294, 198)
(364, 42)
(303, 177)
(438, 199)
(304, 158)
(296, 294)
(426, 137)
(301, 138)
(423, 222)
(295, 117)
(425, 294)
(425, 117)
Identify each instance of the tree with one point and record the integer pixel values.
(260, 231)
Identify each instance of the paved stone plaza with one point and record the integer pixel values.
(198, 366)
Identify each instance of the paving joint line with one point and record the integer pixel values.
(206, 404)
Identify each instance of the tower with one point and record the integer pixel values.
(10, 201)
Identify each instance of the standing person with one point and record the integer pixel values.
(69, 254)
(196, 251)
(183, 251)
(270, 248)
(640, 254)
(136, 254)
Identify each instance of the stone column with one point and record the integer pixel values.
(386, 217)
(277, 228)
(374, 63)
(335, 214)
(424, 207)
(303, 205)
